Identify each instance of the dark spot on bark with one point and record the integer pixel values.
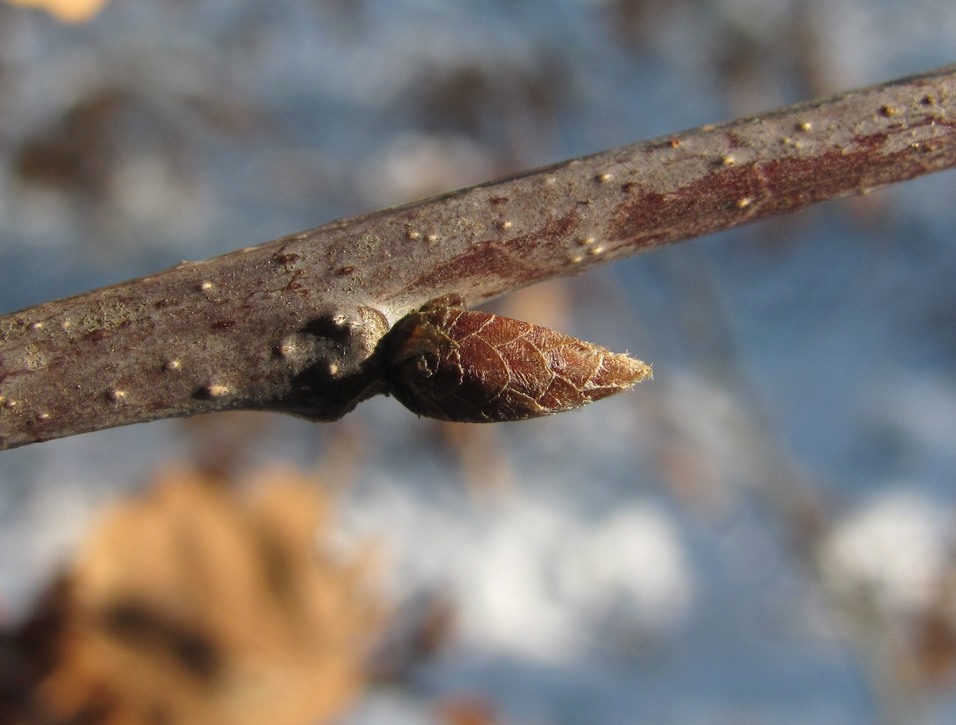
(871, 141)
(332, 328)
(285, 257)
(97, 335)
(512, 261)
(223, 324)
(345, 271)
(777, 186)
(496, 200)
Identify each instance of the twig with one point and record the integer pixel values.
(293, 325)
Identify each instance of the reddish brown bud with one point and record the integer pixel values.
(475, 367)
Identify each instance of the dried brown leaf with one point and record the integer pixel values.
(198, 605)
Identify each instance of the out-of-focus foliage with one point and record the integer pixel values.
(72, 11)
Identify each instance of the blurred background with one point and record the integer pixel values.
(764, 533)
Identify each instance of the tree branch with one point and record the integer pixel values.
(293, 325)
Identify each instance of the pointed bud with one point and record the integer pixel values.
(476, 367)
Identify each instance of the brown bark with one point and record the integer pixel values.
(293, 325)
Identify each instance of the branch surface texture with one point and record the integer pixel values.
(294, 325)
